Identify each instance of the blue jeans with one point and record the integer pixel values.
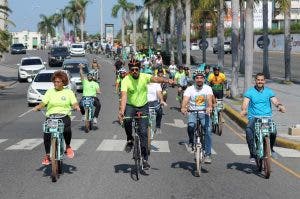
(158, 111)
(206, 124)
(130, 111)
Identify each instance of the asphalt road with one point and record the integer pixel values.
(101, 169)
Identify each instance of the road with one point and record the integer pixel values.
(101, 168)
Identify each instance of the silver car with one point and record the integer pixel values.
(72, 65)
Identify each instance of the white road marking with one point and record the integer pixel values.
(115, 137)
(26, 112)
(2, 140)
(26, 144)
(160, 146)
(289, 153)
(76, 143)
(111, 145)
(238, 149)
(72, 117)
(177, 123)
(190, 151)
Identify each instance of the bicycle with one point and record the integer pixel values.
(264, 126)
(217, 118)
(88, 104)
(55, 126)
(137, 156)
(198, 142)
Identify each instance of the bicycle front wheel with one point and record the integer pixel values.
(197, 161)
(220, 124)
(136, 157)
(54, 161)
(86, 122)
(267, 158)
(149, 132)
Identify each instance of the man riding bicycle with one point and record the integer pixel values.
(180, 80)
(217, 80)
(199, 97)
(134, 99)
(96, 67)
(90, 89)
(257, 102)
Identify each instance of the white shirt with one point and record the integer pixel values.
(172, 68)
(152, 91)
(198, 98)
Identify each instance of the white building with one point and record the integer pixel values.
(32, 40)
(278, 19)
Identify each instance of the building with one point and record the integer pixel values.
(3, 24)
(32, 40)
(278, 18)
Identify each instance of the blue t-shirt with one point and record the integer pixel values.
(260, 102)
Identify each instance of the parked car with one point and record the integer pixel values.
(29, 67)
(72, 65)
(195, 46)
(57, 55)
(77, 49)
(17, 49)
(40, 84)
(227, 47)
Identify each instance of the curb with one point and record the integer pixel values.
(242, 122)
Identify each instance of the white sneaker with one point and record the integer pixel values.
(95, 120)
(158, 131)
(252, 160)
(83, 118)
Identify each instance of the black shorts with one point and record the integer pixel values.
(218, 94)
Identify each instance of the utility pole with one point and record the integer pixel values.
(101, 21)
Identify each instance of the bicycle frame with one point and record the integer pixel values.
(217, 109)
(88, 104)
(263, 127)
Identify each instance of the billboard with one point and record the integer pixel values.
(109, 33)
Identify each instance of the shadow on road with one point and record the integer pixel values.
(66, 168)
(189, 166)
(246, 168)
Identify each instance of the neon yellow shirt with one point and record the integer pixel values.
(89, 88)
(217, 81)
(136, 89)
(179, 76)
(59, 102)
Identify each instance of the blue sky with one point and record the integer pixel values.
(26, 13)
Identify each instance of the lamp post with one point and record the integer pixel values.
(101, 20)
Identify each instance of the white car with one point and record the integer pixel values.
(29, 67)
(77, 49)
(40, 84)
(195, 46)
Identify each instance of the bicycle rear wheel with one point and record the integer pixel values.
(267, 158)
(136, 157)
(54, 161)
(149, 140)
(86, 121)
(219, 127)
(197, 161)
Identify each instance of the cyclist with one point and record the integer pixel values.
(122, 74)
(257, 102)
(216, 80)
(199, 97)
(118, 65)
(207, 72)
(172, 70)
(96, 67)
(155, 100)
(59, 100)
(134, 99)
(180, 81)
(90, 89)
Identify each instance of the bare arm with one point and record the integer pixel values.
(161, 98)
(81, 72)
(184, 104)
(277, 103)
(76, 106)
(39, 107)
(161, 80)
(210, 104)
(244, 106)
(122, 106)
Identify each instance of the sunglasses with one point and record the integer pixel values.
(134, 69)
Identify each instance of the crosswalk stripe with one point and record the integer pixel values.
(76, 143)
(289, 153)
(238, 149)
(2, 140)
(160, 146)
(26, 144)
(111, 145)
(189, 150)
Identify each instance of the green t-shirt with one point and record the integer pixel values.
(59, 102)
(89, 88)
(179, 76)
(136, 89)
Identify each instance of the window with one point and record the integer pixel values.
(27, 62)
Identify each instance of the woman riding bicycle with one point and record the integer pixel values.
(59, 100)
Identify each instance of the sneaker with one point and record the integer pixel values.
(158, 131)
(191, 146)
(95, 120)
(252, 160)
(128, 146)
(83, 118)
(207, 159)
(274, 155)
(146, 165)
(46, 160)
(70, 152)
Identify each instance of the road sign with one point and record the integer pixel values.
(260, 42)
(203, 44)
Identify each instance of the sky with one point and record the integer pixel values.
(26, 13)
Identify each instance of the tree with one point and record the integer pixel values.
(249, 44)
(72, 16)
(266, 70)
(125, 7)
(46, 26)
(188, 31)
(4, 34)
(285, 7)
(234, 47)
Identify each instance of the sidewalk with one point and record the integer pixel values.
(8, 76)
(289, 96)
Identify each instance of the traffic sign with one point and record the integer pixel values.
(203, 44)
(260, 42)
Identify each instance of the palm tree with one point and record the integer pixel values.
(242, 37)
(285, 7)
(46, 26)
(4, 34)
(249, 44)
(80, 6)
(188, 11)
(72, 16)
(125, 7)
(234, 48)
(266, 70)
